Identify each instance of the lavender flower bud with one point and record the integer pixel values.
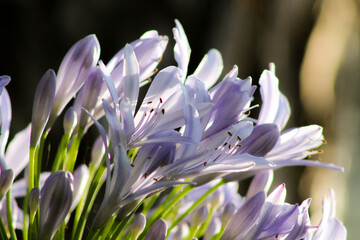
(70, 121)
(157, 231)
(227, 214)
(73, 72)
(88, 96)
(81, 176)
(138, 225)
(216, 199)
(200, 216)
(55, 203)
(34, 199)
(213, 228)
(97, 152)
(43, 102)
(6, 179)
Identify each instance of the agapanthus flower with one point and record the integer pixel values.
(169, 161)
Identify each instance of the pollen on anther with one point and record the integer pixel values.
(324, 141)
(247, 113)
(230, 134)
(239, 145)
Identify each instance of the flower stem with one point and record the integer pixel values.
(196, 203)
(9, 216)
(94, 189)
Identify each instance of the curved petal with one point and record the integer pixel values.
(5, 110)
(210, 68)
(182, 49)
(15, 159)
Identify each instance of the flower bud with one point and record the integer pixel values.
(70, 121)
(81, 176)
(73, 72)
(157, 231)
(97, 152)
(34, 199)
(6, 179)
(138, 225)
(228, 212)
(200, 216)
(43, 102)
(55, 203)
(213, 228)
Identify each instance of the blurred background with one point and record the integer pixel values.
(314, 44)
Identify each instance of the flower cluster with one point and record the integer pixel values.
(164, 166)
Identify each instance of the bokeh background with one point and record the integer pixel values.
(314, 44)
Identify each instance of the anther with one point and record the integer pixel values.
(238, 138)
(163, 111)
(230, 134)
(161, 101)
(205, 163)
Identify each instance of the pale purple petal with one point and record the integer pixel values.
(295, 143)
(245, 218)
(148, 50)
(15, 159)
(261, 182)
(131, 77)
(182, 49)
(192, 130)
(5, 110)
(210, 68)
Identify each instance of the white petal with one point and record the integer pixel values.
(210, 68)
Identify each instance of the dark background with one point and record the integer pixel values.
(35, 35)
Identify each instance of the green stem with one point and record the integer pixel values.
(74, 151)
(9, 216)
(3, 233)
(61, 153)
(94, 189)
(196, 203)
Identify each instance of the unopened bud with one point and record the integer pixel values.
(43, 102)
(34, 199)
(70, 121)
(200, 216)
(228, 212)
(55, 203)
(138, 225)
(157, 231)
(6, 179)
